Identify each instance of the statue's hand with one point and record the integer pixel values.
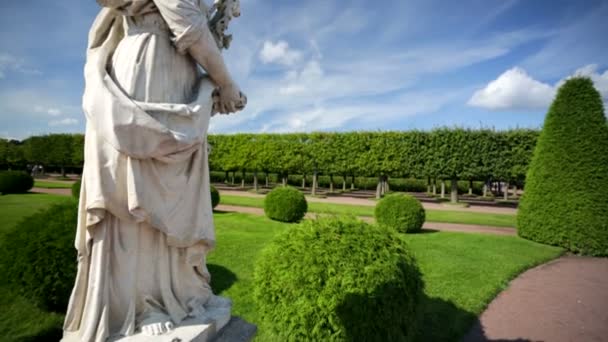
(231, 99)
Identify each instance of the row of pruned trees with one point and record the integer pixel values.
(59, 151)
(440, 155)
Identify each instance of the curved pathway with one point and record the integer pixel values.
(563, 300)
(451, 227)
(53, 191)
(367, 202)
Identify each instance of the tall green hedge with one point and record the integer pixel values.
(440, 153)
(565, 201)
(38, 259)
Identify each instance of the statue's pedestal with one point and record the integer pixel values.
(191, 330)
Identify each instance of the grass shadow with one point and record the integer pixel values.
(221, 278)
(50, 334)
(426, 231)
(477, 334)
(220, 212)
(438, 320)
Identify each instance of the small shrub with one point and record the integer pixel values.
(338, 280)
(38, 258)
(401, 212)
(15, 182)
(76, 189)
(285, 204)
(215, 197)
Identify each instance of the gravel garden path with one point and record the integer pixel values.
(367, 202)
(452, 227)
(563, 300)
(58, 191)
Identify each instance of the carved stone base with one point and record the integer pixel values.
(190, 330)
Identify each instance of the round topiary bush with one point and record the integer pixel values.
(338, 280)
(38, 258)
(564, 201)
(285, 204)
(15, 182)
(215, 197)
(401, 212)
(76, 189)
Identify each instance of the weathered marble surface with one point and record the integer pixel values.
(145, 219)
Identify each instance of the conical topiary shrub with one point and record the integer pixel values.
(565, 202)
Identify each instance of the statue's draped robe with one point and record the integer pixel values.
(145, 220)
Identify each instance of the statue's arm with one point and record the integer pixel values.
(189, 25)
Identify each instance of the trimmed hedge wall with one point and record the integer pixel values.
(285, 204)
(361, 183)
(565, 202)
(15, 182)
(403, 213)
(43, 267)
(338, 280)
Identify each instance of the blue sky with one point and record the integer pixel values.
(335, 65)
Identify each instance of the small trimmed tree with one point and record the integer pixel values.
(338, 280)
(285, 204)
(564, 203)
(402, 212)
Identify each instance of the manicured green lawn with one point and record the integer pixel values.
(52, 185)
(447, 216)
(15, 207)
(462, 272)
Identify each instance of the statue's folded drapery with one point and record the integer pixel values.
(145, 218)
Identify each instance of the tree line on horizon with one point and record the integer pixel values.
(438, 155)
(445, 154)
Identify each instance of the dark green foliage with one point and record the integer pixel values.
(401, 212)
(285, 204)
(338, 280)
(215, 197)
(564, 203)
(76, 189)
(38, 258)
(15, 182)
(441, 153)
(407, 185)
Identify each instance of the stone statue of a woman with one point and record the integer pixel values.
(145, 219)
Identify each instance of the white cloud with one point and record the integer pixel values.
(11, 63)
(516, 90)
(63, 122)
(54, 111)
(50, 111)
(303, 81)
(279, 53)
